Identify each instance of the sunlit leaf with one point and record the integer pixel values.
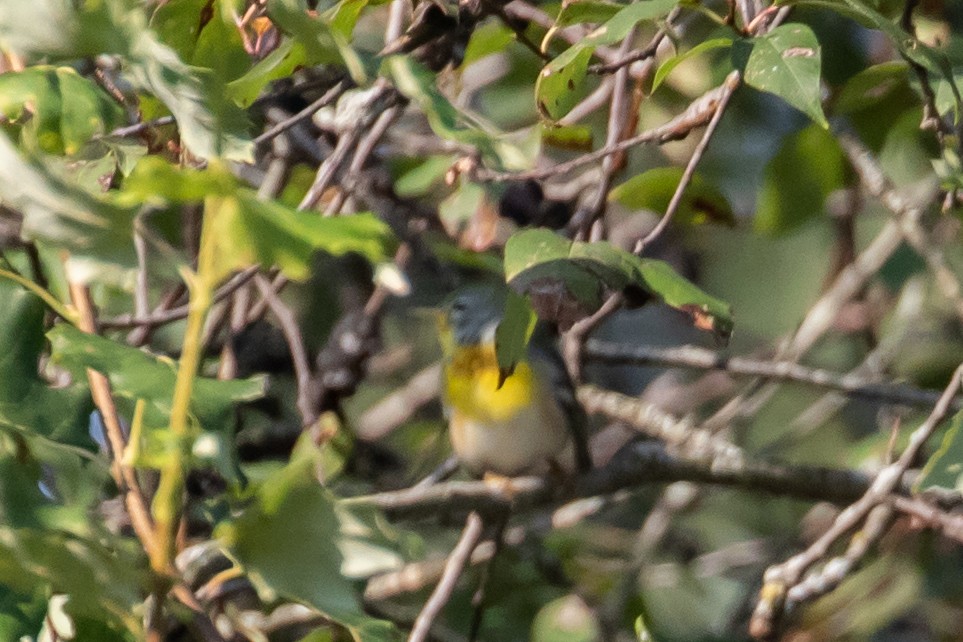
(559, 85)
(787, 62)
(61, 109)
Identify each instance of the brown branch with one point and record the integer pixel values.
(639, 463)
(699, 113)
(456, 563)
(299, 356)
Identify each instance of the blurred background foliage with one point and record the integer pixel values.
(140, 158)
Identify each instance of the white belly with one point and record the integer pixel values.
(531, 442)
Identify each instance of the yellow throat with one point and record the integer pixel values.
(471, 385)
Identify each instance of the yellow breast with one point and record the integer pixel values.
(471, 385)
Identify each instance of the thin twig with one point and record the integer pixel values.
(124, 476)
(780, 579)
(137, 128)
(853, 384)
(326, 99)
(639, 463)
(456, 563)
(162, 316)
(697, 114)
(728, 88)
(299, 356)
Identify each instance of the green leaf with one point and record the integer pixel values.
(292, 508)
(871, 85)
(64, 110)
(586, 11)
(912, 49)
(209, 123)
(63, 215)
(669, 65)
(28, 405)
(567, 279)
(573, 137)
(248, 231)
(797, 181)
(559, 85)
(786, 62)
(135, 374)
(944, 469)
(280, 63)
(489, 38)
(652, 190)
(322, 43)
(513, 333)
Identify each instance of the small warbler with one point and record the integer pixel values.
(532, 423)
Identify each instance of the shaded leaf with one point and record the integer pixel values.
(27, 404)
(653, 190)
(513, 333)
(292, 507)
(871, 85)
(798, 179)
(930, 58)
(135, 374)
(786, 62)
(573, 276)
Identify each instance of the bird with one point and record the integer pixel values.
(526, 423)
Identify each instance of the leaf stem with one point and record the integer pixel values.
(168, 501)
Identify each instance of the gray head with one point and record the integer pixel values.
(473, 312)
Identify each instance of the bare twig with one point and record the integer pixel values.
(161, 315)
(950, 524)
(852, 383)
(299, 356)
(732, 82)
(637, 464)
(697, 114)
(453, 569)
(399, 406)
(780, 579)
(326, 99)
